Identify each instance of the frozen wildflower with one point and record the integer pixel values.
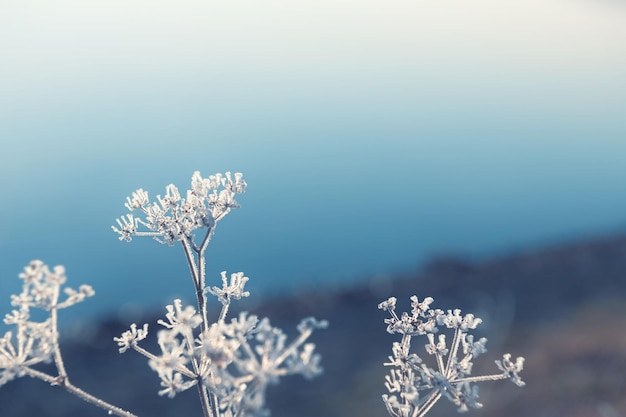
(238, 186)
(473, 348)
(307, 362)
(388, 305)
(264, 358)
(174, 355)
(418, 386)
(179, 317)
(127, 227)
(216, 346)
(243, 326)
(173, 383)
(233, 361)
(307, 325)
(420, 307)
(234, 290)
(511, 369)
(174, 218)
(139, 200)
(130, 337)
(454, 320)
(171, 199)
(33, 342)
(42, 287)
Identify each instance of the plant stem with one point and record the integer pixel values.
(428, 404)
(64, 383)
(197, 267)
(58, 359)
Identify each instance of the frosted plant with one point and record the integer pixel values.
(36, 342)
(416, 386)
(229, 363)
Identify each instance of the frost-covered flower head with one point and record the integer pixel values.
(33, 342)
(415, 386)
(235, 360)
(232, 361)
(174, 216)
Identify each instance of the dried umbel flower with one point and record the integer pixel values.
(230, 363)
(175, 218)
(414, 386)
(36, 342)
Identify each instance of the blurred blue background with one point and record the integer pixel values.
(373, 135)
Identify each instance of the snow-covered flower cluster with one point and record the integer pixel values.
(36, 341)
(415, 386)
(234, 360)
(230, 363)
(175, 217)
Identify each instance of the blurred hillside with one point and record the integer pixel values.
(563, 308)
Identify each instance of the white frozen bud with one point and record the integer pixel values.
(511, 369)
(473, 348)
(388, 305)
(470, 322)
(438, 348)
(229, 291)
(237, 186)
(74, 296)
(198, 185)
(173, 383)
(171, 199)
(56, 276)
(226, 200)
(420, 308)
(130, 337)
(214, 181)
(311, 323)
(86, 290)
(137, 200)
(308, 363)
(127, 227)
(17, 316)
(179, 317)
(33, 272)
(393, 381)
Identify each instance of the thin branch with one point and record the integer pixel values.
(223, 312)
(64, 383)
(58, 359)
(292, 347)
(495, 377)
(191, 262)
(453, 350)
(428, 404)
(180, 369)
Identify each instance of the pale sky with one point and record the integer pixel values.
(476, 125)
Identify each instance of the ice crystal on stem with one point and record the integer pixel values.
(414, 386)
(230, 363)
